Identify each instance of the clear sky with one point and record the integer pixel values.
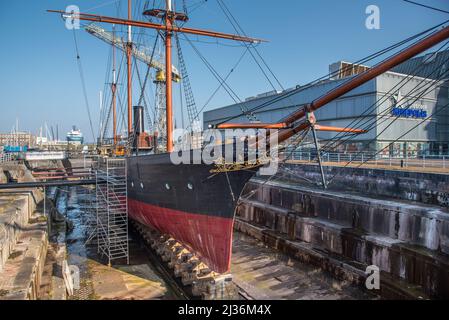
(39, 79)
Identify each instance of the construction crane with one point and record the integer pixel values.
(142, 55)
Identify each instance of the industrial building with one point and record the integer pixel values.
(420, 97)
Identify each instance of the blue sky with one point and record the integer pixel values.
(39, 79)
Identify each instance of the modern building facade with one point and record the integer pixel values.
(406, 114)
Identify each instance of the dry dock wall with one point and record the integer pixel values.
(427, 188)
(23, 238)
(408, 241)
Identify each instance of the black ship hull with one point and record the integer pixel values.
(187, 201)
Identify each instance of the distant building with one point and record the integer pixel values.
(41, 140)
(431, 137)
(21, 139)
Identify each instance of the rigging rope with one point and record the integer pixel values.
(363, 122)
(192, 110)
(385, 118)
(423, 93)
(105, 100)
(388, 146)
(222, 81)
(237, 27)
(83, 83)
(142, 88)
(399, 85)
(144, 85)
(425, 6)
(395, 119)
(288, 94)
(298, 140)
(109, 112)
(148, 70)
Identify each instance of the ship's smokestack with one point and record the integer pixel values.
(138, 120)
(138, 125)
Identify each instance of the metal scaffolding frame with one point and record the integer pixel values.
(112, 209)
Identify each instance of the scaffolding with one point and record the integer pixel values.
(112, 209)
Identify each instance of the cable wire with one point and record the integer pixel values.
(287, 94)
(426, 6)
(83, 83)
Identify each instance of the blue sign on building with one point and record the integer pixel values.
(409, 113)
(15, 149)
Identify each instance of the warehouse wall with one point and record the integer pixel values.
(354, 107)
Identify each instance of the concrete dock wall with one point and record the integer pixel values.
(406, 240)
(427, 188)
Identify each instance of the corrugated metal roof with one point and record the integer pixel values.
(433, 65)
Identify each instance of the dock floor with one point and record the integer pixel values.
(98, 281)
(264, 273)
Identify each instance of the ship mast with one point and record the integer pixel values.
(114, 91)
(169, 27)
(129, 64)
(168, 75)
(295, 122)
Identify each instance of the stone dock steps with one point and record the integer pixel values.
(346, 232)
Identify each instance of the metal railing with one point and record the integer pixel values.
(417, 161)
(6, 157)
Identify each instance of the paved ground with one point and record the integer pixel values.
(136, 281)
(264, 273)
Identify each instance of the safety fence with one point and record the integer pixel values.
(423, 161)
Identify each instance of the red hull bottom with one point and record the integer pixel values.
(207, 236)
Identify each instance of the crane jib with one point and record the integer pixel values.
(140, 54)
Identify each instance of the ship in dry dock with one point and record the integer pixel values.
(195, 203)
